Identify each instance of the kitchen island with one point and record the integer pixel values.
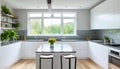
(57, 51)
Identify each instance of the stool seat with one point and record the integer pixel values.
(46, 56)
(69, 56)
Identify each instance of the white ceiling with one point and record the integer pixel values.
(56, 4)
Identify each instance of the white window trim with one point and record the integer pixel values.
(61, 34)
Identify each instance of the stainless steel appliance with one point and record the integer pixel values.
(114, 59)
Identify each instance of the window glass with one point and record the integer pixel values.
(52, 26)
(35, 26)
(68, 25)
(68, 15)
(57, 14)
(35, 15)
(47, 15)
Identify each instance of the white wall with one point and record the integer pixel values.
(83, 18)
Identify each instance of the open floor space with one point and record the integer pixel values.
(30, 64)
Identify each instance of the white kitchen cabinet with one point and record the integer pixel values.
(81, 48)
(9, 54)
(29, 48)
(99, 54)
(106, 15)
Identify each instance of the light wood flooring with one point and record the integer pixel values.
(30, 64)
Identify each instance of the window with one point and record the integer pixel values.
(51, 24)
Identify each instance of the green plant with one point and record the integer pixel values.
(6, 10)
(13, 34)
(5, 36)
(17, 25)
(88, 37)
(106, 38)
(8, 34)
(51, 40)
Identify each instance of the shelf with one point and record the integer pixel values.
(7, 28)
(7, 15)
(8, 22)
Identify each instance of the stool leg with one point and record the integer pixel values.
(40, 63)
(75, 61)
(52, 64)
(69, 63)
(61, 61)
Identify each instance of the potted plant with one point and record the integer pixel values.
(88, 37)
(6, 10)
(51, 41)
(17, 25)
(106, 39)
(7, 35)
(13, 35)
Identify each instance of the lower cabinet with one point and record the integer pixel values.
(9, 54)
(81, 48)
(99, 54)
(29, 48)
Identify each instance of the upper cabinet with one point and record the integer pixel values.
(106, 15)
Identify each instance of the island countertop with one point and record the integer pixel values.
(58, 48)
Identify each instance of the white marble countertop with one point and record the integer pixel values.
(58, 48)
(107, 45)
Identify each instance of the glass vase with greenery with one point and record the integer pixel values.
(51, 41)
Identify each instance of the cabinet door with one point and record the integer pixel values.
(81, 48)
(10, 54)
(106, 15)
(99, 54)
(29, 48)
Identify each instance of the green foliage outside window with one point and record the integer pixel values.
(35, 28)
(69, 28)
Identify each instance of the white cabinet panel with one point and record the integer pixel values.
(99, 54)
(81, 48)
(9, 54)
(106, 15)
(29, 48)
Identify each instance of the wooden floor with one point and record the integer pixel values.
(30, 64)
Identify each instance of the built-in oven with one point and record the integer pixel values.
(114, 59)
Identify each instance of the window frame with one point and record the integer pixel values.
(62, 25)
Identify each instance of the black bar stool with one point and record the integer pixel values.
(46, 56)
(69, 57)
